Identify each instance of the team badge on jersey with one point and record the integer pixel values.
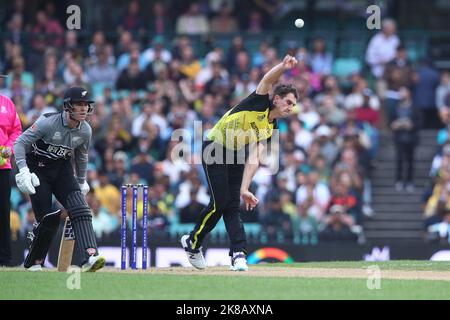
(3, 109)
(261, 117)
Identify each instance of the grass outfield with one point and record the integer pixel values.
(423, 265)
(186, 284)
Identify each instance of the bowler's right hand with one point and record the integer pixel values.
(249, 199)
(26, 181)
(289, 62)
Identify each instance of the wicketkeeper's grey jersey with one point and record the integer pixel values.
(51, 139)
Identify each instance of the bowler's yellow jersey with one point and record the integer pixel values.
(245, 123)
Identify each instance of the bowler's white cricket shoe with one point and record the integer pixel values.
(93, 264)
(195, 256)
(36, 267)
(238, 262)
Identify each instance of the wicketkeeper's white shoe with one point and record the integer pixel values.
(195, 256)
(238, 262)
(93, 264)
(36, 267)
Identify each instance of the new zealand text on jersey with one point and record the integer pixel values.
(51, 151)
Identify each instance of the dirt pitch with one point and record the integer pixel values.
(263, 271)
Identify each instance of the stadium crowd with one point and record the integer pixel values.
(146, 89)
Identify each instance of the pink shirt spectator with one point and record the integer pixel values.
(10, 126)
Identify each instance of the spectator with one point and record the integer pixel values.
(192, 22)
(247, 84)
(142, 164)
(156, 53)
(405, 125)
(425, 94)
(133, 54)
(219, 82)
(367, 110)
(242, 65)
(341, 195)
(19, 91)
(27, 79)
(337, 227)
(98, 42)
(255, 23)
(258, 58)
(276, 221)
(360, 91)
(328, 147)
(314, 195)
(398, 73)
(205, 74)
(16, 29)
(443, 91)
(441, 230)
(189, 65)
(103, 221)
(237, 46)
(74, 74)
(321, 61)
(303, 137)
(18, 8)
(440, 161)
(38, 108)
(332, 91)
(160, 23)
(131, 78)
(124, 44)
(131, 21)
(173, 167)
(71, 40)
(191, 195)
(439, 200)
(101, 71)
(118, 175)
(46, 32)
(158, 222)
(382, 47)
(224, 22)
(308, 114)
(108, 194)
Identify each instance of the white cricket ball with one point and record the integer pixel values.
(299, 23)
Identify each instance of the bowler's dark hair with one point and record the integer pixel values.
(283, 90)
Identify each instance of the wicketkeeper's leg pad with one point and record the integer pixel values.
(41, 238)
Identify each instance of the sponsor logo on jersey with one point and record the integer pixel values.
(57, 136)
(255, 129)
(3, 109)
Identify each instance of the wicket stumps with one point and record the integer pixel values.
(123, 230)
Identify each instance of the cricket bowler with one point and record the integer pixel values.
(251, 121)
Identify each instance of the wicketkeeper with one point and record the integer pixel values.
(44, 155)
